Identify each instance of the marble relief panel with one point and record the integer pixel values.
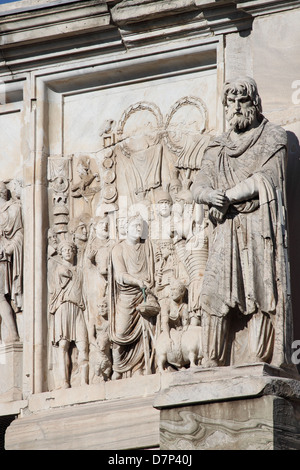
(167, 246)
(127, 244)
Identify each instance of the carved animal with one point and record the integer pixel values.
(182, 349)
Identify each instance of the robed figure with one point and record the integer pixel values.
(11, 263)
(242, 181)
(132, 276)
(67, 322)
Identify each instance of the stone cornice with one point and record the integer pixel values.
(37, 33)
(263, 7)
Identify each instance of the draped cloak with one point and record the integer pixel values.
(11, 266)
(247, 267)
(67, 305)
(126, 327)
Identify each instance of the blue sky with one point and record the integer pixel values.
(8, 1)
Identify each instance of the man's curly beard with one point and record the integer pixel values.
(240, 122)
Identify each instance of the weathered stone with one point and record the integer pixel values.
(111, 263)
(11, 368)
(264, 423)
(236, 408)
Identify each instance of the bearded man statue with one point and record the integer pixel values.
(246, 280)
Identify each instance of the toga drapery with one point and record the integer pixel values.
(247, 267)
(11, 241)
(126, 326)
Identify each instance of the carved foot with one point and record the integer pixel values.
(163, 371)
(116, 376)
(254, 359)
(12, 339)
(209, 363)
(64, 385)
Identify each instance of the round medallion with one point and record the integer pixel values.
(110, 193)
(108, 163)
(109, 176)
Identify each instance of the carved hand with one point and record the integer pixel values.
(217, 215)
(143, 284)
(217, 198)
(247, 189)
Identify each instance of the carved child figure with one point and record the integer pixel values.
(179, 343)
(176, 314)
(101, 354)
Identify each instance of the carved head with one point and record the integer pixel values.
(135, 225)
(177, 289)
(101, 225)
(184, 197)
(67, 250)
(164, 203)
(242, 102)
(175, 186)
(78, 227)
(16, 188)
(103, 308)
(3, 191)
(121, 226)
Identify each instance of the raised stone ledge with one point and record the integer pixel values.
(183, 387)
(227, 383)
(141, 386)
(126, 414)
(113, 415)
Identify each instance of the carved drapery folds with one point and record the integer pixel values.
(129, 245)
(11, 260)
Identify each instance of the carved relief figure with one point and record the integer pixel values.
(131, 333)
(68, 324)
(100, 345)
(185, 126)
(79, 229)
(98, 251)
(183, 213)
(176, 313)
(118, 284)
(82, 189)
(179, 344)
(242, 182)
(139, 150)
(167, 265)
(96, 265)
(11, 263)
(175, 185)
(191, 244)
